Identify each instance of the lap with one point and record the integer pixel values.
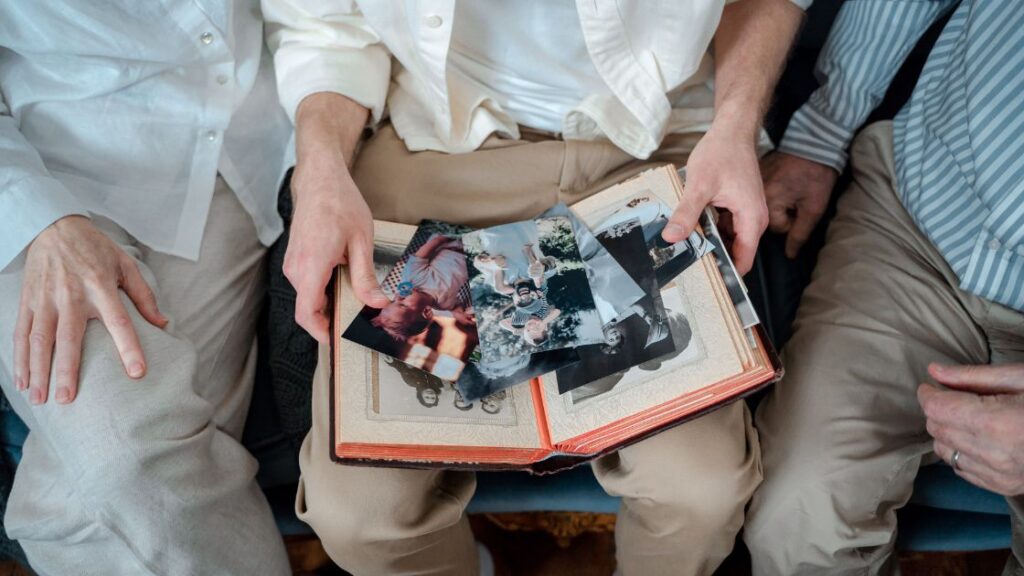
(881, 305)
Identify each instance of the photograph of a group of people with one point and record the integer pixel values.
(529, 289)
(401, 392)
(429, 321)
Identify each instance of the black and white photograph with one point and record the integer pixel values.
(687, 349)
(733, 282)
(401, 392)
(529, 289)
(670, 260)
(479, 380)
(429, 322)
(639, 335)
(614, 290)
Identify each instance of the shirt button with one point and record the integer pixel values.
(435, 21)
(211, 136)
(222, 79)
(994, 244)
(206, 38)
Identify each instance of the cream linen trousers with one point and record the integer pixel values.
(148, 477)
(684, 490)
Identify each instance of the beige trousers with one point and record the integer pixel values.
(684, 491)
(148, 477)
(843, 435)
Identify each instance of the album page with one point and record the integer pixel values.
(705, 339)
(380, 400)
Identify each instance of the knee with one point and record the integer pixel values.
(363, 515)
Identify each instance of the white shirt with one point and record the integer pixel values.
(652, 57)
(129, 109)
(536, 71)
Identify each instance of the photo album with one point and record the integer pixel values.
(542, 344)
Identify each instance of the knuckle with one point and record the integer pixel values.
(119, 320)
(39, 339)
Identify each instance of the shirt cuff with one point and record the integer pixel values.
(362, 75)
(814, 136)
(28, 207)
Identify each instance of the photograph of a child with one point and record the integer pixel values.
(401, 392)
(639, 335)
(529, 289)
(429, 322)
(670, 260)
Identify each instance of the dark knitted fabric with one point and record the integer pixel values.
(290, 353)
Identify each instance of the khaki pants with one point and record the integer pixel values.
(684, 491)
(148, 477)
(843, 435)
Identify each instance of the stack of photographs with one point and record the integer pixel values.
(474, 312)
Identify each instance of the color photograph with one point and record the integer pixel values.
(529, 289)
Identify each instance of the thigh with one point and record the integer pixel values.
(503, 181)
(881, 305)
(214, 303)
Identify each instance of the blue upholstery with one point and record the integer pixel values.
(945, 512)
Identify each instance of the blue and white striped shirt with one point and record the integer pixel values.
(959, 140)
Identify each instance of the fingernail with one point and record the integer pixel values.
(673, 230)
(63, 395)
(36, 396)
(20, 383)
(136, 370)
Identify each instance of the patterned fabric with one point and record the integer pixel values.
(395, 275)
(959, 141)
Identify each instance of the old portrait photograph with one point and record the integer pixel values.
(733, 282)
(529, 289)
(687, 348)
(639, 335)
(670, 260)
(401, 392)
(429, 322)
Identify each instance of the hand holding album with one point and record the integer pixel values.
(544, 343)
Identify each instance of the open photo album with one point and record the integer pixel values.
(542, 344)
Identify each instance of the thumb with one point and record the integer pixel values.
(981, 379)
(364, 280)
(684, 218)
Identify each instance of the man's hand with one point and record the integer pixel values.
(982, 416)
(797, 191)
(723, 171)
(332, 224)
(73, 273)
(750, 46)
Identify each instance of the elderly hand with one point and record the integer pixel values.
(722, 171)
(982, 416)
(73, 274)
(797, 191)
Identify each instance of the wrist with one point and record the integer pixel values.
(741, 124)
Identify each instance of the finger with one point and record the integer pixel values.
(141, 294)
(803, 226)
(41, 335)
(966, 441)
(684, 218)
(985, 379)
(748, 224)
(68, 355)
(361, 273)
(779, 218)
(115, 317)
(967, 467)
(21, 347)
(309, 316)
(960, 410)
